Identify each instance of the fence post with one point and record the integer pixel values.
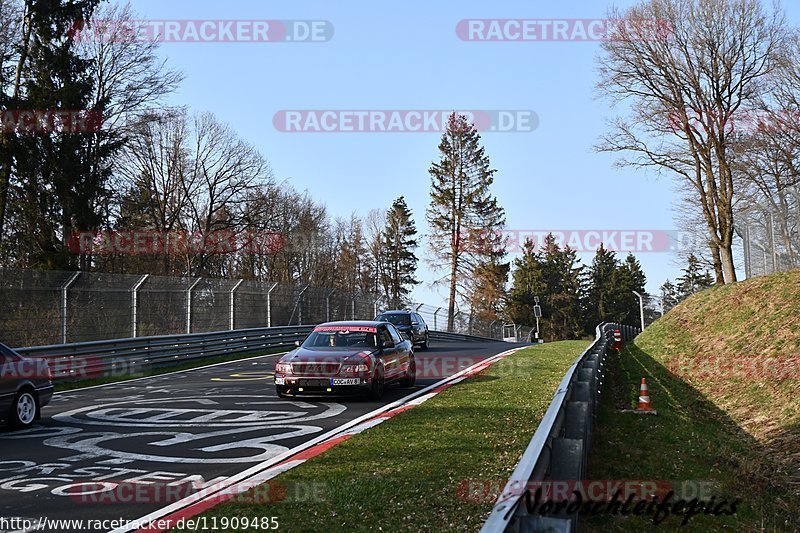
(233, 303)
(328, 305)
(269, 304)
(455, 316)
(135, 304)
(189, 305)
(64, 289)
(353, 304)
(376, 306)
(435, 319)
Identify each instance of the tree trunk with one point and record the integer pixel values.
(451, 309)
(715, 256)
(728, 267)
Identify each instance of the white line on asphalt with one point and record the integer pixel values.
(125, 382)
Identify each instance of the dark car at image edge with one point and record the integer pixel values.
(25, 388)
(347, 358)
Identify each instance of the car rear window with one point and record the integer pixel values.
(397, 320)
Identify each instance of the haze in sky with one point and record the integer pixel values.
(409, 56)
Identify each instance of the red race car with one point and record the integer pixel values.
(347, 358)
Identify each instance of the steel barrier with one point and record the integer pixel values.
(126, 357)
(560, 447)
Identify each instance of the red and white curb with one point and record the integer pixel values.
(167, 517)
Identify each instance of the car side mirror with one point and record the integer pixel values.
(387, 344)
(415, 323)
(297, 344)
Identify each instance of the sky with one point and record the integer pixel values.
(408, 56)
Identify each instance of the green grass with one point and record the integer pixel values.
(741, 432)
(409, 473)
(75, 385)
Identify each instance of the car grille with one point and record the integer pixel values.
(315, 369)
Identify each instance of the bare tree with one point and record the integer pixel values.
(130, 79)
(685, 84)
(224, 169)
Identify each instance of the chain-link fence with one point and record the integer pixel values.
(770, 240)
(468, 324)
(48, 307)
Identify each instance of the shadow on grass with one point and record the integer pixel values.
(690, 440)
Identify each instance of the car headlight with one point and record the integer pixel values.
(283, 368)
(354, 369)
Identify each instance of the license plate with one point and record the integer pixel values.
(280, 381)
(312, 382)
(354, 381)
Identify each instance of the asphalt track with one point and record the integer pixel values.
(125, 450)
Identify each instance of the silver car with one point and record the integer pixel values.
(25, 387)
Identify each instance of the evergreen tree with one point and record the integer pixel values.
(562, 271)
(603, 273)
(400, 261)
(669, 295)
(464, 217)
(60, 180)
(527, 283)
(694, 279)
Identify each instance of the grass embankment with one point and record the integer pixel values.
(723, 370)
(198, 363)
(410, 473)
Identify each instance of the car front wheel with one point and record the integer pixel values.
(378, 385)
(410, 379)
(24, 410)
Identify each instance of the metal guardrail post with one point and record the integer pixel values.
(328, 305)
(376, 306)
(64, 289)
(269, 305)
(353, 310)
(233, 304)
(135, 305)
(189, 305)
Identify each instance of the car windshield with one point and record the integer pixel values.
(333, 338)
(397, 320)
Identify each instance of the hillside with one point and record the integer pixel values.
(724, 374)
(739, 345)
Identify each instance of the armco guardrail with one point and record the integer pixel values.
(560, 446)
(444, 336)
(125, 357)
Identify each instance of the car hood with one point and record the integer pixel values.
(306, 355)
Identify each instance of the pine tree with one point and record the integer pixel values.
(527, 283)
(464, 217)
(669, 295)
(400, 261)
(601, 304)
(694, 279)
(60, 177)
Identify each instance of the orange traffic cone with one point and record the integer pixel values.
(644, 400)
